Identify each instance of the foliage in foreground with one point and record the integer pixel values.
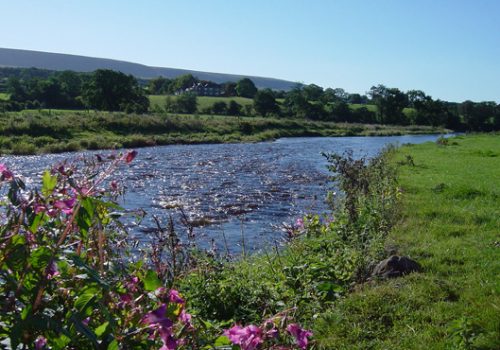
(67, 280)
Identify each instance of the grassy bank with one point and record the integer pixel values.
(443, 211)
(32, 132)
(450, 222)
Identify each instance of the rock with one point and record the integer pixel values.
(395, 266)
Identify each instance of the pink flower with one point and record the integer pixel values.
(158, 317)
(299, 334)
(130, 156)
(131, 285)
(40, 343)
(185, 318)
(175, 297)
(66, 206)
(124, 300)
(52, 271)
(270, 329)
(158, 320)
(39, 208)
(6, 173)
(234, 334)
(299, 224)
(248, 338)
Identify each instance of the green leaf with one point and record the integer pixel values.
(113, 345)
(26, 312)
(49, 182)
(221, 341)
(37, 220)
(83, 329)
(99, 331)
(40, 257)
(91, 273)
(17, 254)
(60, 343)
(151, 281)
(85, 298)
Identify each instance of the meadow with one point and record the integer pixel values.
(204, 102)
(448, 223)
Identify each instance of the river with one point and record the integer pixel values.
(233, 192)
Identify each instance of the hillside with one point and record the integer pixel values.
(57, 61)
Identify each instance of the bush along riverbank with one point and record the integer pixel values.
(31, 132)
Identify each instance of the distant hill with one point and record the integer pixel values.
(57, 61)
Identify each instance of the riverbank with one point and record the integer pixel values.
(447, 220)
(32, 132)
(449, 224)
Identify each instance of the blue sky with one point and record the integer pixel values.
(448, 48)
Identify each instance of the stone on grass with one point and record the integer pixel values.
(395, 266)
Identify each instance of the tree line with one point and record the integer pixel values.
(109, 90)
(381, 105)
(102, 90)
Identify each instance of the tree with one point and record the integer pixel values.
(185, 103)
(51, 93)
(246, 88)
(416, 98)
(264, 102)
(341, 94)
(478, 116)
(312, 92)
(16, 90)
(229, 89)
(114, 91)
(181, 83)
(219, 107)
(341, 112)
(390, 104)
(71, 85)
(159, 86)
(234, 108)
(357, 99)
(296, 104)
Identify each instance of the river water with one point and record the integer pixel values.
(238, 193)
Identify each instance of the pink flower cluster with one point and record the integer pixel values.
(161, 324)
(251, 337)
(299, 334)
(248, 338)
(5, 173)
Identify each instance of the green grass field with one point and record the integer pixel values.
(203, 101)
(450, 224)
(4, 96)
(371, 108)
